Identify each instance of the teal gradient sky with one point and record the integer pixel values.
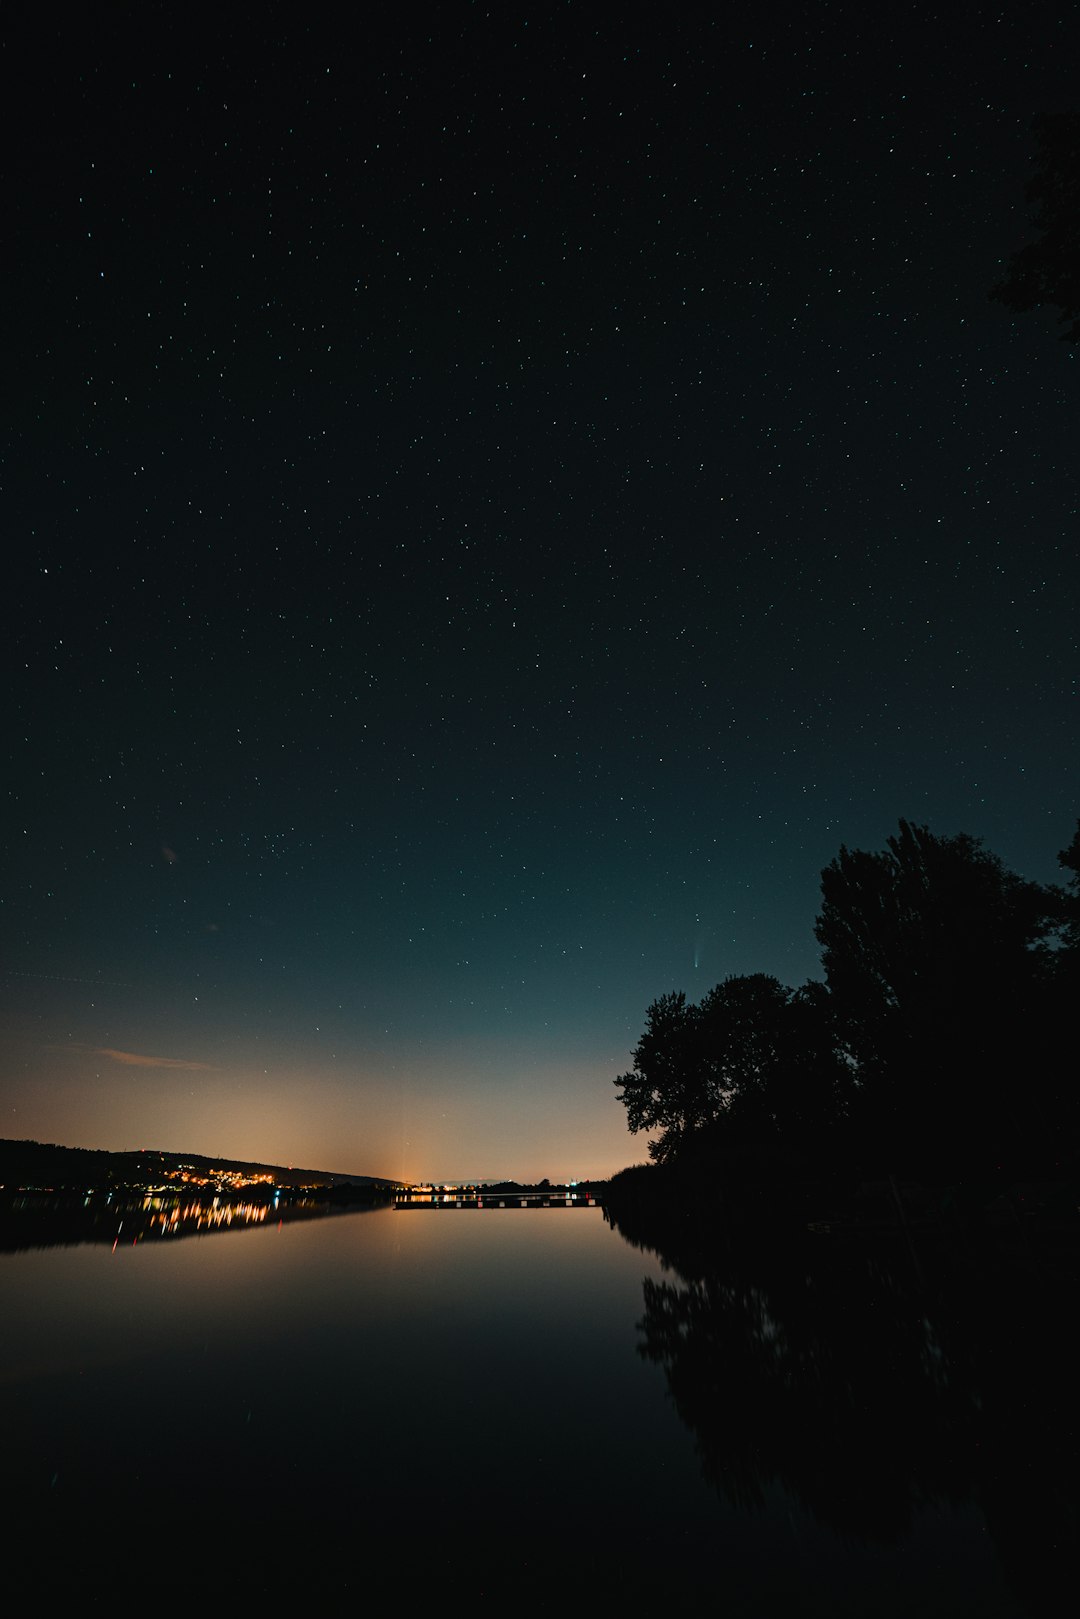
(491, 506)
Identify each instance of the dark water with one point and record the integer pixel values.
(456, 1404)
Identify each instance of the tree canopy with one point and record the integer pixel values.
(1046, 272)
(930, 955)
(753, 1055)
(1070, 909)
(941, 1020)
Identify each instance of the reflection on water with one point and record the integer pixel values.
(163, 1219)
(874, 1382)
(50, 1220)
(405, 1405)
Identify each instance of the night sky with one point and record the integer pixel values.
(493, 498)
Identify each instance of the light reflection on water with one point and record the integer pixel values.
(400, 1399)
(171, 1221)
(45, 1220)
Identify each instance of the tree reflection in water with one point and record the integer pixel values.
(869, 1380)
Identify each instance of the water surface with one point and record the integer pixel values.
(415, 1403)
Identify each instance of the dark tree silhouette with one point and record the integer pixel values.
(771, 1057)
(666, 1090)
(932, 959)
(943, 1034)
(755, 1058)
(1064, 995)
(1070, 859)
(1047, 272)
(742, 1028)
(812, 1087)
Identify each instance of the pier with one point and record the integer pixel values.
(497, 1200)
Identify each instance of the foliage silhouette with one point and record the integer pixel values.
(941, 1030)
(754, 1058)
(1070, 903)
(1047, 272)
(931, 953)
(666, 1090)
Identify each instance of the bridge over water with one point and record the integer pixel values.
(577, 1199)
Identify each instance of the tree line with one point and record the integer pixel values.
(944, 1024)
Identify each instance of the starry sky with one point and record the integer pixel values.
(494, 498)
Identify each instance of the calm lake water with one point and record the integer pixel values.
(424, 1404)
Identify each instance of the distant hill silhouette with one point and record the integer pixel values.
(47, 1166)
